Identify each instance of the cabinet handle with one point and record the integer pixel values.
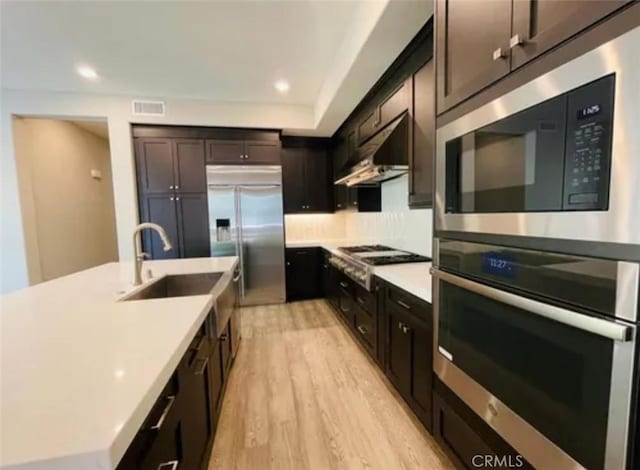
(170, 187)
(516, 40)
(171, 465)
(400, 325)
(402, 304)
(178, 198)
(176, 187)
(235, 279)
(498, 54)
(405, 329)
(344, 284)
(344, 310)
(170, 401)
(362, 329)
(360, 301)
(172, 198)
(223, 337)
(339, 206)
(205, 363)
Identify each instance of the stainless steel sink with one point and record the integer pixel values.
(177, 285)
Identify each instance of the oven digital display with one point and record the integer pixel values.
(499, 264)
(589, 111)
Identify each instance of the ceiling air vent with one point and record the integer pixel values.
(148, 108)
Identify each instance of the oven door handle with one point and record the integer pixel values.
(605, 328)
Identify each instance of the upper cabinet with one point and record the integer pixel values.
(166, 165)
(306, 176)
(389, 107)
(478, 43)
(421, 153)
(237, 152)
(540, 25)
(472, 43)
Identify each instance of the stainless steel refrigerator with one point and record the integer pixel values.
(246, 219)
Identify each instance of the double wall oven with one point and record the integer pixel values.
(537, 261)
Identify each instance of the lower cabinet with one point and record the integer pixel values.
(179, 430)
(409, 338)
(304, 273)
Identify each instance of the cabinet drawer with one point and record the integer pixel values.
(346, 305)
(399, 299)
(366, 329)
(366, 300)
(225, 151)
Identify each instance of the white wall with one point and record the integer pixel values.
(396, 225)
(68, 215)
(117, 111)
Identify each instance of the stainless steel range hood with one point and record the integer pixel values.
(382, 158)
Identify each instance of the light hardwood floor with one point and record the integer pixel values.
(303, 395)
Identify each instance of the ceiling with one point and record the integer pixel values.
(226, 51)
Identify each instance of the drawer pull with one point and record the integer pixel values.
(360, 301)
(345, 310)
(344, 284)
(235, 279)
(205, 363)
(200, 343)
(362, 329)
(223, 337)
(403, 304)
(170, 401)
(171, 465)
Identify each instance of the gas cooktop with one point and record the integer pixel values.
(364, 248)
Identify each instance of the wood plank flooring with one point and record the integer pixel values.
(303, 395)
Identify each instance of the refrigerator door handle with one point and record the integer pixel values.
(239, 244)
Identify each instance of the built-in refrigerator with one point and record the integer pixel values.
(246, 220)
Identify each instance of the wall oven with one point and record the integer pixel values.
(556, 158)
(541, 346)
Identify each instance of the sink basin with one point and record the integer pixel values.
(177, 285)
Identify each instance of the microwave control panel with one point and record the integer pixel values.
(588, 146)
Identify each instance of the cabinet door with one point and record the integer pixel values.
(345, 302)
(540, 25)
(194, 225)
(316, 178)
(340, 197)
(366, 330)
(394, 105)
(293, 180)
(333, 292)
(421, 370)
(195, 402)
(191, 174)
(369, 125)
(155, 165)
(225, 347)
(421, 156)
(262, 153)
(399, 351)
(303, 273)
(472, 42)
(215, 380)
(161, 209)
(225, 151)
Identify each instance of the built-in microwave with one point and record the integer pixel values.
(555, 158)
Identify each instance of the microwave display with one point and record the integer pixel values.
(554, 156)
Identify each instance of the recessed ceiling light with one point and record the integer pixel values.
(282, 86)
(87, 72)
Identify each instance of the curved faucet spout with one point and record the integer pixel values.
(137, 248)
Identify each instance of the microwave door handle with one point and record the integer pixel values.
(605, 328)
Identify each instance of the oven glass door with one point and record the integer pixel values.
(554, 376)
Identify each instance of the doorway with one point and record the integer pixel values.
(66, 195)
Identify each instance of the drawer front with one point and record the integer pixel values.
(346, 306)
(397, 298)
(366, 329)
(366, 300)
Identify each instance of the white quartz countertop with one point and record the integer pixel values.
(414, 278)
(80, 370)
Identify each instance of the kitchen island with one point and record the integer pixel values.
(81, 369)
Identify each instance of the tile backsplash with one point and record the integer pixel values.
(396, 225)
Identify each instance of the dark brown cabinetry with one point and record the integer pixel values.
(306, 176)
(237, 152)
(409, 346)
(540, 25)
(422, 149)
(167, 165)
(304, 273)
(478, 43)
